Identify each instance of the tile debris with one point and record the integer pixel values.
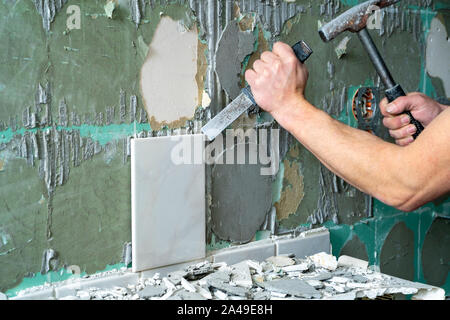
(280, 277)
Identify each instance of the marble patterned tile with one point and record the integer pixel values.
(168, 201)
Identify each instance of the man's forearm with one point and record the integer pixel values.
(359, 157)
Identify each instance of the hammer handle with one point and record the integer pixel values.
(395, 92)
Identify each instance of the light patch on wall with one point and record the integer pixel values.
(293, 193)
(168, 76)
(1, 164)
(438, 47)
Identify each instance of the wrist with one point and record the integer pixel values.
(294, 109)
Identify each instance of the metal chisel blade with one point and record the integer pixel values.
(227, 116)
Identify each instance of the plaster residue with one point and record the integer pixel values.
(294, 152)
(262, 45)
(233, 47)
(293, 193)
(168, 77)
(438, 47)
(202, 65)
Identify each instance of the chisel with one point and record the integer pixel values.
(244, 100)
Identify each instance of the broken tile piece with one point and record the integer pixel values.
(220, 295)
(324, 260)
(168, 284)
(359, 278)
(187, 286)
(152, 291)
(176, 276)
(199, 270)
(254, 265)
(293, 287)
(262, 295)
(315, 283)
(322, 276)
(185, 295)
(281, 261)
(204, 292)
(223, 276)
(339, 279)
(296, 267)
(229, 289)
(346, 261)
(240, 275)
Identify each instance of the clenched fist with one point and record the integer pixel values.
(277, 79)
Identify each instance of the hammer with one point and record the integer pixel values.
(355, 20)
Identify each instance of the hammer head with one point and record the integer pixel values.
(353, 20)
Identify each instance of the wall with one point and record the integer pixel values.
(74, 88)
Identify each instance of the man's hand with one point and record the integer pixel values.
(423, 108)
(277, 78)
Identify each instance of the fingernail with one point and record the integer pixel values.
(405, 120)
(412, 129)
(390, 108)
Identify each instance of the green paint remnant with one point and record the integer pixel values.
(111, 132)
(350, 2)
(102, 134)
(217, 244)
(109, 9)
(142, 48)
(277, 185)
(339, 235)
(262, 235)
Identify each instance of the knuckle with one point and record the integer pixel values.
(265, 55)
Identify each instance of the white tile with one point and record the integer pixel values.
(168, 201)
(104, 282)
(312, 243)
(259, 251)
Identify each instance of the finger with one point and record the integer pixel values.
(383, 105)
(269, 57)
(283, 50)
(259, 66)
(250, 76)
(403, 132)
(397, 122)
(405, 141)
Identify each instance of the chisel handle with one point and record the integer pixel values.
(302, 52)
(394, 93)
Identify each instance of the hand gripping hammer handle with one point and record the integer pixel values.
(393, 90)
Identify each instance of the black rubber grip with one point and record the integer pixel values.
(395, 92)
(302, 51)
